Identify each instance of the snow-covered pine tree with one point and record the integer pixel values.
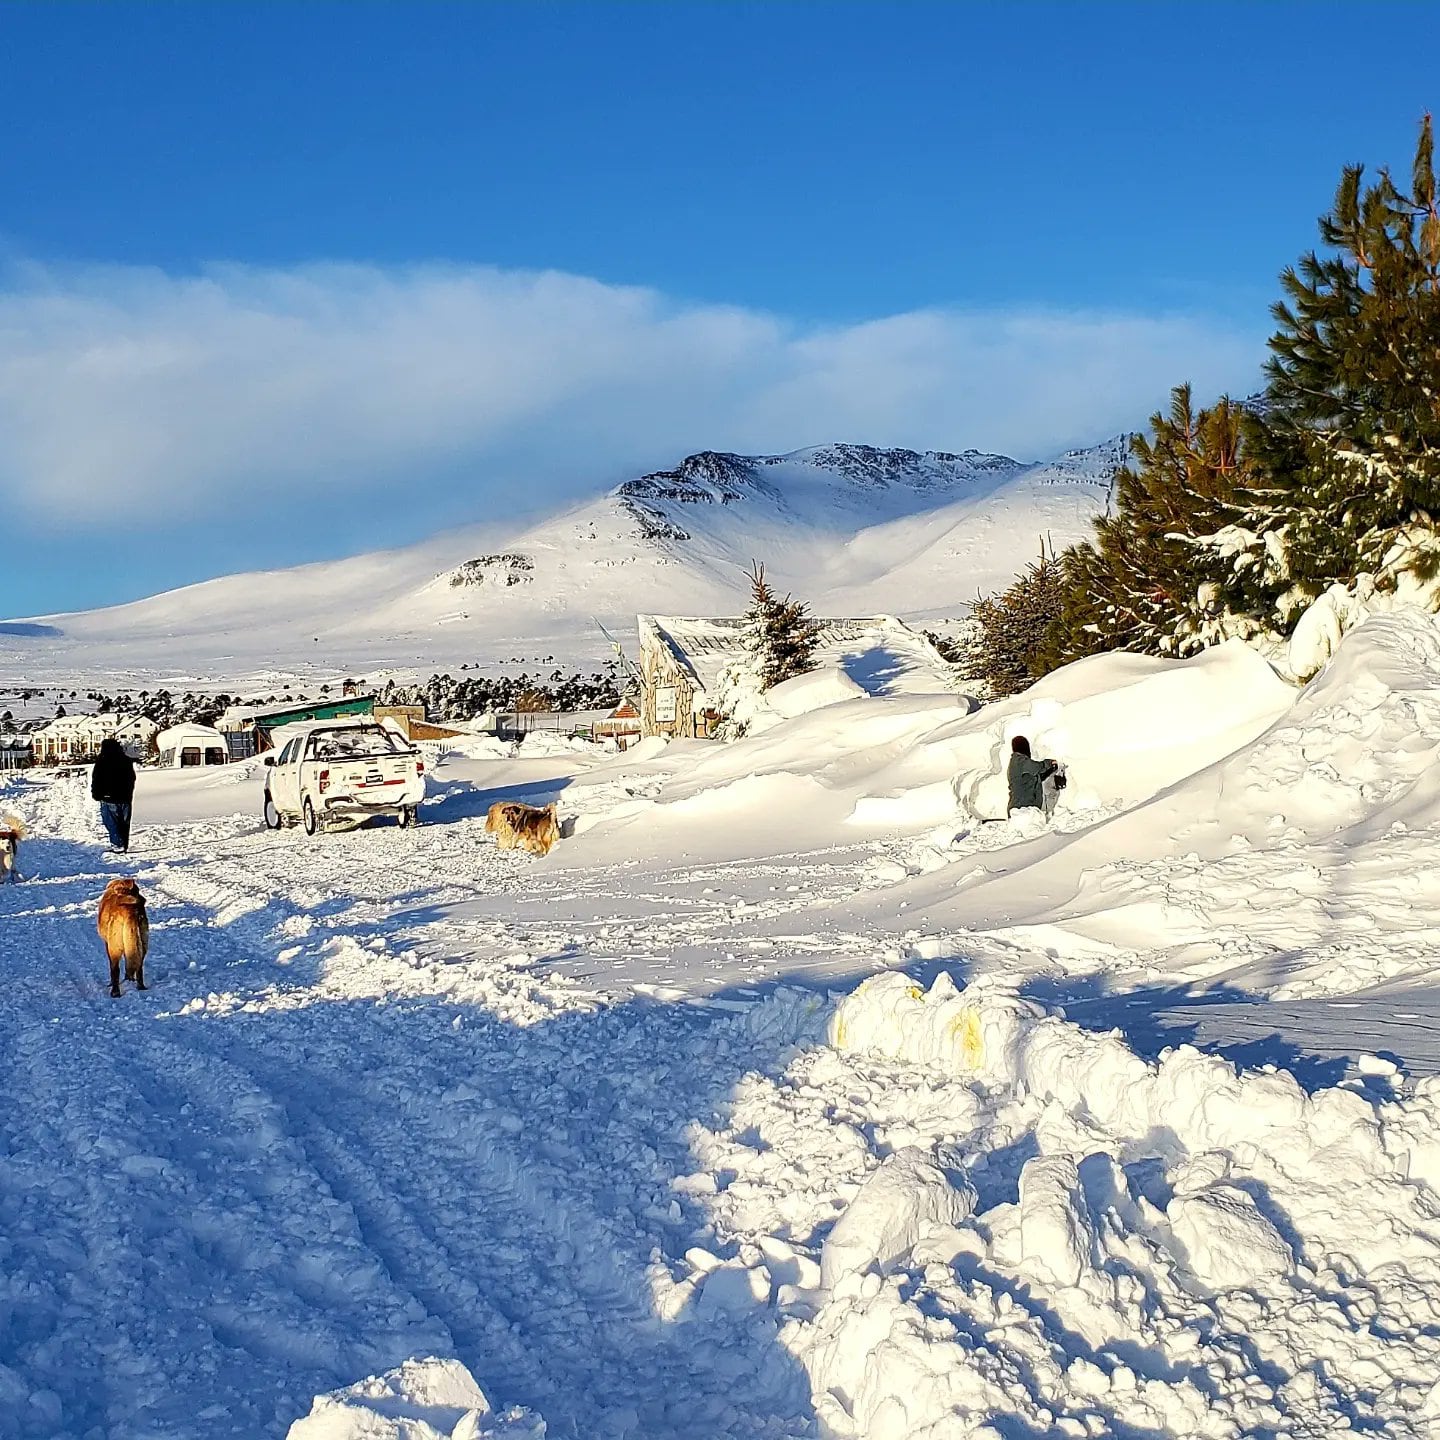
(1351, 431)
(1143, 583)
(1013, 639)
(781, 634)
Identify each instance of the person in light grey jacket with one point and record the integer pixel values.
(1027, 777)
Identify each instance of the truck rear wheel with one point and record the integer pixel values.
(307, 817)
(409, 816)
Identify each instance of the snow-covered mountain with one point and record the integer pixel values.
(853, 529)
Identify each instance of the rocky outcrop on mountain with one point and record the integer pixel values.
(506, 570)
(707, 478)
(918, 469)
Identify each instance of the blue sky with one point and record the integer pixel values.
(490, 257)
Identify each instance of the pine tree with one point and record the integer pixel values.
(1013, 642)
(781, 634)
(1351, 433)
(1152, 578)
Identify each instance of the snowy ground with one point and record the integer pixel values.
(604, 1135)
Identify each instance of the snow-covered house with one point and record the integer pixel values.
(250, 729)
(183, 747)
(683, 660)
(78, 737)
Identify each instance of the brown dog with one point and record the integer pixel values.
(527, 826)
(124, 928)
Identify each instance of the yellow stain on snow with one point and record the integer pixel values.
(966, 1028)
(839, 1032)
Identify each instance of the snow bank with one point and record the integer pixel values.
(1398, 586)
(1067, 1240)
(1126, 726)
(811, 692)
(880, 657)
(1277, 849)
(426, 1399)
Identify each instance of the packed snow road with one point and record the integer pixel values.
(286, 1165)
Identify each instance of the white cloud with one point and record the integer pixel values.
(134, 397)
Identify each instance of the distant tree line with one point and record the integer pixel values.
(443, 696)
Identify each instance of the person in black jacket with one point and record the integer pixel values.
(1027, 777)
(112, 783)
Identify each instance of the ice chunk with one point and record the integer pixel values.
(897, 1204)
(1056, 1237)
(429, 1399)
(1228, 1243)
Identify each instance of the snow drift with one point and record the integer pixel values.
(1026, 1228)
(1125, 725)
(1277, 848)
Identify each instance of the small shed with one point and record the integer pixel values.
(249, 729)
(622, 724)
(186, 747)
(410, 721)
(681, 660)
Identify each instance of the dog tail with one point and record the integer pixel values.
(14, 824)
(126, 940)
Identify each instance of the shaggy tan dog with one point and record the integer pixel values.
(125, 929)
(525, 826)
(12, 832)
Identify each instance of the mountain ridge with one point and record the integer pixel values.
(852, 528)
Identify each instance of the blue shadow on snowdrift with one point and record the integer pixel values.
(281, 1200)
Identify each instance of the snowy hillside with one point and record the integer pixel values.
(855, 529)
(794, 1094)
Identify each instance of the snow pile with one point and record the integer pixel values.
(973, 1032)
(901, 1201)
(1125, 725)
(812, 692)
(1399, 585)
(539, 743)
(421, 1400)
(1275, 866)
(1024, 1228)
(880, 657)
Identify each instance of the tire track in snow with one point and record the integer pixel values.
(544, 1294)
(331, 1199)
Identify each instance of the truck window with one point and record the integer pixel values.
(359, 742)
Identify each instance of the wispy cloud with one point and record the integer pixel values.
(133, 397)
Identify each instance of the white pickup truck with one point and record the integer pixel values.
(331, 773)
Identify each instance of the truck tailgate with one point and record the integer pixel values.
(376, 778)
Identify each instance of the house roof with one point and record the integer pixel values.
(239, 716)
(188, 734)
(102, 724)
(880, 653)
